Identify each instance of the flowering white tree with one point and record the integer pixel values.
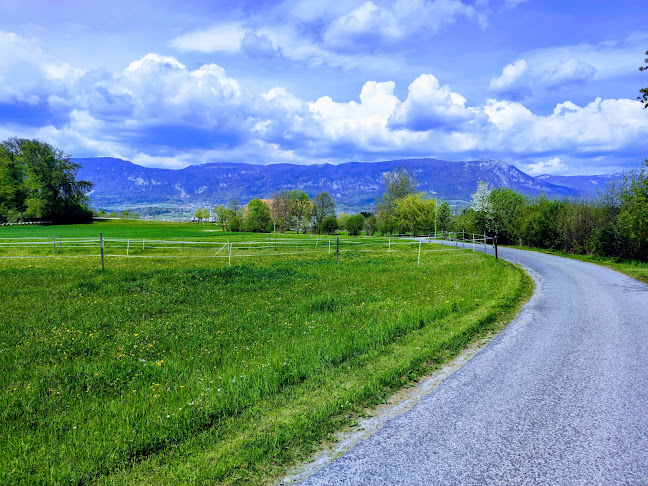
(483, 206)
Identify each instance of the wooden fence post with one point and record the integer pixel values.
(101, 244)
(338, 250)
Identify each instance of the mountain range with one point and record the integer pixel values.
(354, 185)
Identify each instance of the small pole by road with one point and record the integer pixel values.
(495, 244)
(101, 245)
(337, 250)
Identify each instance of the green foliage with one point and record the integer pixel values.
(371, 224)
(323, 207)
(37, 181)
(633, 217)
(292, 209)
(445, 220)
(329, 225)
(399, 183)
(355, 224)
(257, 217)
(505, 207)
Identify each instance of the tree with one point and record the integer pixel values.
(201, 214)
(323, 207)
(644, 91)
(371, 225)
(506, 207)
(222, 215)
(482, 206)
(39, 182)
(410, 212)
(329, 225)
(257, 217)
(355, 224)
(633, 217)
(281, 209)
(445, 222)
(302, 209)
(398, 184)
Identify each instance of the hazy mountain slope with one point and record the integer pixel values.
(120, 183)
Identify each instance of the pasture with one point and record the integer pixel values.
(188, 367)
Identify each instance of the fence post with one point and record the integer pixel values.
(316, 242)
(389, 245)
(54, 244)
(101, 244)
(473, 241)
(338, 250)
(484, 242)
(463, 237)
(229, 260)
(419, 256)
(142, 244)
(329, 246)
(127, 247)
(495, 243)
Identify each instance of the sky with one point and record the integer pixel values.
(548, 86)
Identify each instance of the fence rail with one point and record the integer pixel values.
(235, 246)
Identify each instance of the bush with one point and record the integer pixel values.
(329, 225)
(355, 224)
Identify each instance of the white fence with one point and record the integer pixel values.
(235, 246)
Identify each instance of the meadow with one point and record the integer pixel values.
(209, 371)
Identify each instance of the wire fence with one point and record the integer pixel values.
(236, 247)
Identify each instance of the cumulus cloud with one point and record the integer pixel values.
(431, 106)
(158, 111)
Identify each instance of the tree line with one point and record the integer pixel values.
(615, 224)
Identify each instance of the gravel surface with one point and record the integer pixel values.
(559, 397)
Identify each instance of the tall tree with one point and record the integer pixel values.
(398, 184)
(257, 217)
(40, 180)
(323, 207)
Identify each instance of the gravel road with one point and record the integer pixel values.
(560, 397)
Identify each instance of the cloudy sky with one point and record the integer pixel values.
(547, 85)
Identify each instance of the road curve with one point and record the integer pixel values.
(559, 397)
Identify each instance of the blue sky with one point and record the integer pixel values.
(548, 86)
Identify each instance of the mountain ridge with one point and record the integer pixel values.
(119, 183)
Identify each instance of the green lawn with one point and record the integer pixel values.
(187, 370)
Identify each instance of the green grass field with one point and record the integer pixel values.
(187, 370)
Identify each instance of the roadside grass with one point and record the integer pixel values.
(175, 371)
(631, 268)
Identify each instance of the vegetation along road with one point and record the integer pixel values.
(559, 397)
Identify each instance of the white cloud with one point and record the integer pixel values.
(551, 166)
(430, 106)
(401, 19)
(510, 75)
(225, 37)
